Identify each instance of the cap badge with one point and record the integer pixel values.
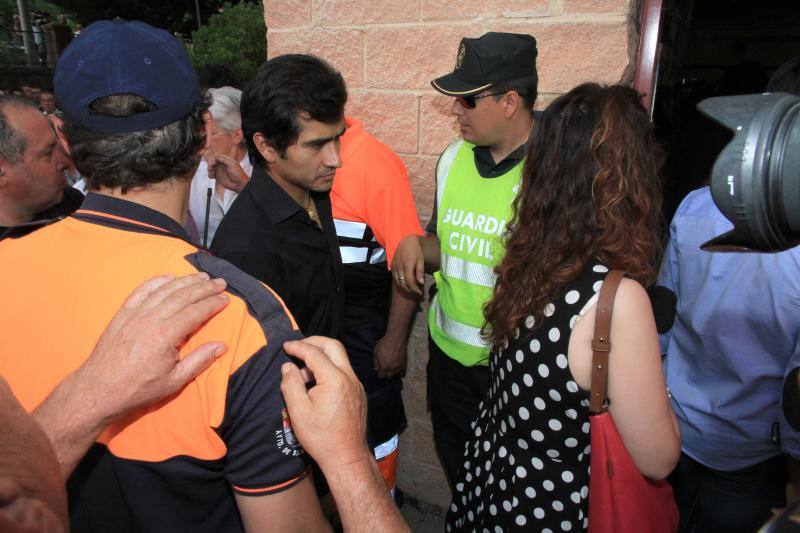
(460, 59)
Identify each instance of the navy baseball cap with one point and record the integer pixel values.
(113, 57)
(487, 60)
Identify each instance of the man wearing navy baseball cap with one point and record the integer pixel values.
(220, 454)
(494, 86)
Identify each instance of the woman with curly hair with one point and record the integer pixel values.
(589, 202)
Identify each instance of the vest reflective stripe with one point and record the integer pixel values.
(455, 329)
(361, 253)
(475, 273)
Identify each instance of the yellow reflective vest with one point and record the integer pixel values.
(472, 213)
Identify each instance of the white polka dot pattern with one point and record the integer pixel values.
(526, 467)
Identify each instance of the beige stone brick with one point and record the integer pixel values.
(415, 396)
(418, 344)
(438, 126)
(343, 48)
(573, 53)
(358, 12)
(406, 446)
(596, 6)
(475, 9)
(424, 450)
(391, 117)
(287, 13)
(421, 170)
(410, 57)
(423, 482)
(544, 100)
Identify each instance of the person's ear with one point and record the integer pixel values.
(6, 173)
(267, 151)
(207, 127)
(238, 136)
(511, 102)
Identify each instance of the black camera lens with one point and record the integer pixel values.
(755, 181)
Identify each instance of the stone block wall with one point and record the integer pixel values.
(388, 51)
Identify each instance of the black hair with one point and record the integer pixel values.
(140, 158)
(527, 88)
(284, 89)
(786, 78)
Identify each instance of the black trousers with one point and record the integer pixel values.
(714, 501)
(454, 393)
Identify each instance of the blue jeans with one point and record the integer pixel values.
(711, 501)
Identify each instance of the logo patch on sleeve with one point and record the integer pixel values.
(285, 439)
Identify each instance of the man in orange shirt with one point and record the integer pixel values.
(219, 455)
(373, 209)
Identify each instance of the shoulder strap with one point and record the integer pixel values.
(443, 166)
(601, 343)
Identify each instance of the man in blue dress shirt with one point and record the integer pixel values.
(735, 339)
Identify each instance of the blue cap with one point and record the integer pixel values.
(118, 57)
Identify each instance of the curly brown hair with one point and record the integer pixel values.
(590, 189)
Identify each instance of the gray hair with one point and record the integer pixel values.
(140, 158)
(12, 143)
(225, 107)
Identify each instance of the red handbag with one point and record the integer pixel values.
(621, 499)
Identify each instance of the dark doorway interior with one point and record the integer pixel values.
(712, 48)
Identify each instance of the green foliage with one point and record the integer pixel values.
(235, 37)
(174, 16)
(8, 8)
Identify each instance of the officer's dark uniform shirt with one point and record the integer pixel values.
(269, 236)
(174, 466)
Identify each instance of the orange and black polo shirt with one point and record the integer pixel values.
(176, 465)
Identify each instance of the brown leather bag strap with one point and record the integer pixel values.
(601, 343)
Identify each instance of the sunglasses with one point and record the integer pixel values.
(469, 101)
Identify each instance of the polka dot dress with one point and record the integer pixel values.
(526, 467)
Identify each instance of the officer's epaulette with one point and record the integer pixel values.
(15, 232)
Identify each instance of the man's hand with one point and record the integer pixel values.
(21, 514)
(227, 171)
(329, 420)
(32, 495)
(136, 361)
(408, 265)
(391, 354)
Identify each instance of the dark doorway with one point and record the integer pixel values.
(712, 48)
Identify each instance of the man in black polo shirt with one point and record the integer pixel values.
(280, 229)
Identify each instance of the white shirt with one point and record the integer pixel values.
(198, 197)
